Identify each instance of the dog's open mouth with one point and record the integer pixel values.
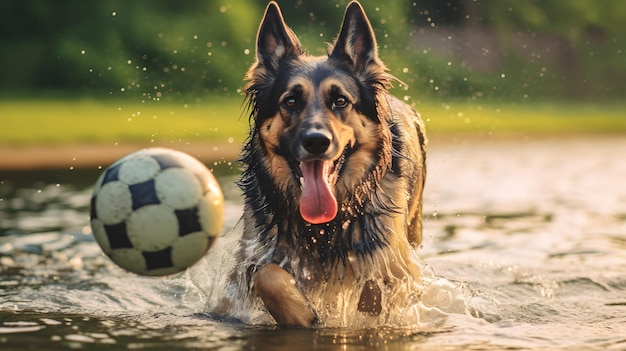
(318, 203)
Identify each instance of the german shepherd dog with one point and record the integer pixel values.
(334, 169)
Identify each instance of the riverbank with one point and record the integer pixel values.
(76, 156)
(101, 155)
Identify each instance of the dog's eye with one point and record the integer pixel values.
(340, 101)
(290, 102)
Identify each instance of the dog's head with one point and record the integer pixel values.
(322, 121)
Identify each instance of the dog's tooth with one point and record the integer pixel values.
(301, 181)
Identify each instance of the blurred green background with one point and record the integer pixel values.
(98, 71)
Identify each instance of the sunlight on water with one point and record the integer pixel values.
(513, 259)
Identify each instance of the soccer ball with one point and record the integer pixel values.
(156, 211)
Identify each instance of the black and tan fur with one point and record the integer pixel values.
(334, 111)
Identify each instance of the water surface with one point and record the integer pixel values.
(531, 234)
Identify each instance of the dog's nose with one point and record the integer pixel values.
(316, 141)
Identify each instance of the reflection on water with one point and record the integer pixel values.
(532, 233)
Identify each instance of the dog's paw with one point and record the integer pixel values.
(282, 299)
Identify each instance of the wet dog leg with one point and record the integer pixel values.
(281, 297)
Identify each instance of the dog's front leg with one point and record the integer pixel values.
(284, 301)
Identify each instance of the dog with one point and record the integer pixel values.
(333, 173)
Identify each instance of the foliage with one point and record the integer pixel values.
(156, 50)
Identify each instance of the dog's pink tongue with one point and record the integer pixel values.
(317, 203)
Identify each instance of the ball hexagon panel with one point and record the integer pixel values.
(187, 250)
(167, 160)
(207, 181)
(138, 168)
(211, 204)
(178, 188)
(170, 159)
(100, 235)
(152, 227)
(130, 259)
(113, 203)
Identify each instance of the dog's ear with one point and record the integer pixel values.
(275, 40)
(356, 42)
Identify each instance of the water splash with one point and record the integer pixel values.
(416, 304)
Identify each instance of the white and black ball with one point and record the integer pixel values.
(156, 211)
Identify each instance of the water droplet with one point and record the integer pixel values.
(345, 225)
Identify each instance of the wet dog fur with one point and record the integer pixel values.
(334, 169)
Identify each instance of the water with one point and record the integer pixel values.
(529, 234)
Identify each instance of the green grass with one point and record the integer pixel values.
(27, 122)
(54, 122)
(558, 118)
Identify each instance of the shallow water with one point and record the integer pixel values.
(530, 233)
